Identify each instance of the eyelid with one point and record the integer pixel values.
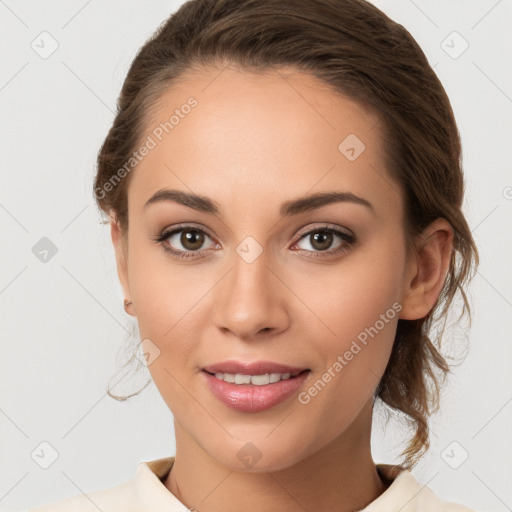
(325, 226)
(181, 227)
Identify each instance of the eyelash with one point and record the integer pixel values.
(348, 240)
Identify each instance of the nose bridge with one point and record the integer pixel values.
(249, 281)
(249, 298)
(251, 266)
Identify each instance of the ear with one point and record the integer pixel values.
(427, 269)
(121, 259)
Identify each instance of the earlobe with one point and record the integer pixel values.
(427, 270)
(121, 260)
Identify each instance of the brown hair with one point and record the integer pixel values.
(359, 52)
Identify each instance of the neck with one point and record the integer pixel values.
(339, 477)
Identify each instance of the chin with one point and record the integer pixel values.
(262, 457)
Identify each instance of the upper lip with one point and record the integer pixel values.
(255, 368)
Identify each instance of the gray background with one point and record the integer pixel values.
(64, 330)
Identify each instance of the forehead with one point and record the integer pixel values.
(253, 136)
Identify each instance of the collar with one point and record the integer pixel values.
(404, 493)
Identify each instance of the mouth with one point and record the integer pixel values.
(254, 393)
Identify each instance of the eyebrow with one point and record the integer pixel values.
(287, 209)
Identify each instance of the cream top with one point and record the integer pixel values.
(147, 493)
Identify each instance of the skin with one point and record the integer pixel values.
(252, 142)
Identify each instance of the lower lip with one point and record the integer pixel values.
(252, 398)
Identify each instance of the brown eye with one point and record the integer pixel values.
(321, 240)
(185, 242)
(191, 239)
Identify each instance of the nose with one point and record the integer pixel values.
(251, 299)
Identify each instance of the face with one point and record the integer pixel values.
(314, 284)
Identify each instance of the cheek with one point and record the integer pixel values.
(358, 306)
(352, 296)
(162, 291)
(171, 302)
(354, 353)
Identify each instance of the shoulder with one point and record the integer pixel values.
(120, 497)
(406, 494)
(142, 493)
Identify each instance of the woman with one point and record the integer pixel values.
(284, 189)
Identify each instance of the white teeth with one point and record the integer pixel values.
(274, 377)
(257, 380)
(242, 379)
(228, 377)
